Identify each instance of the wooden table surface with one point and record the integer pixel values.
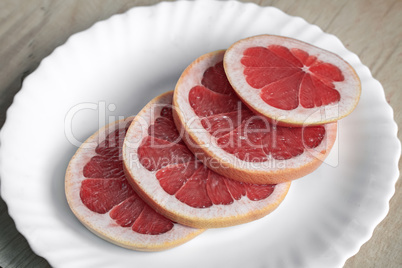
(31, 29)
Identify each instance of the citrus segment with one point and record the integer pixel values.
(156, 153)
(205, 102)
(100, 166)
(151, 222)
(215, 79)
(172, 178)
(289, 80)
(103, 200)
(127, 212)
(247, 147)
(220, 124)
(194, 191)
(163, 130)
(173, 181)
(101, 195)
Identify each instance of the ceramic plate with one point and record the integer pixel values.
(116, 67)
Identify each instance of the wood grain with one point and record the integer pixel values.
(31, 30)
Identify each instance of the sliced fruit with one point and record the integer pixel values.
(290, 81)
(167, 175)
(100, 196)
(235, 142)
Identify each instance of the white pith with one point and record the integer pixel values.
(207, 142)
(146, 180)
(102, 224)
(349, 89)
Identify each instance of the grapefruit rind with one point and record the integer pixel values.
(150, 190)
(204, 145)
(349, 89)
(101, 224)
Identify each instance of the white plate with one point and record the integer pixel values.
(116, 67)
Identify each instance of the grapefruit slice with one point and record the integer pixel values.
(99, 195)
(290, 81)
(167, 175)
(235, 142)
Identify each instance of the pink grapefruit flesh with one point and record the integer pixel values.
(172, 180)
(234, 141)
(290, 81)
(102, 199)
